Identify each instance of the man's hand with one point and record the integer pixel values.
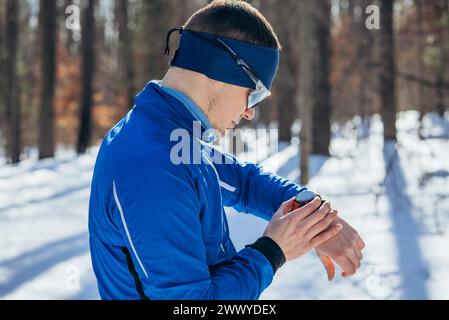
(296, 231)
(345, 249)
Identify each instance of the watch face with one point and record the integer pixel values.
(305, 197)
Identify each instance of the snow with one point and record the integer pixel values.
(404, 219)
(43, 227)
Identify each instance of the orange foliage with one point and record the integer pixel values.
(67, 93)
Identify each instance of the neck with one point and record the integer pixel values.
(190, 83)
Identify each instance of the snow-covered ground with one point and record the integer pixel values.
(404, 219)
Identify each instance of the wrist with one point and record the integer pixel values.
(271, 250)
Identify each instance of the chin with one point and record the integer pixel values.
(221, 132)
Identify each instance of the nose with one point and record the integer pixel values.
(249, 114)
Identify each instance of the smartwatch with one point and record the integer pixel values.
(306, 196)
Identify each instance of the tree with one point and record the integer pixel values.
(2, 71)
(387, 92)
(286, 83)
(442, 7)
(306, 85)
(420, 65)
(47, 25)
(12, 101)
(68, 32)
(87, 71)
(126, 70)
(314, 109)
(364, 39)
(154, 21)
(322, 105)
(1, 24)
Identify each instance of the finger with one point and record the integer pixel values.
(358, 254)
(329, 266)
(285, 207)
(322, 225)
(360, 244)
(288, 205)
(317, 216)
(355, 260)
(305, 211)
(295, 205)
(325, 235)
(347, 265)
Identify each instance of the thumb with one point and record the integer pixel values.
(285, 208)
(329, 266)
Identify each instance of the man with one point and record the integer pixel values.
(156, 220)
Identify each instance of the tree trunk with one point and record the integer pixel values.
(420, 64)
(308, 62)
(1, 26)
(126, 70)
(87, 72)
(442, 70)
(287, 84)
(314, 88)
(153, 27)
(322, 105)
(387, 90)
(47, 23)
(286, 103)
(420, 54)
(365, 42)
(12, 101)
(68, 39)
(2, 76)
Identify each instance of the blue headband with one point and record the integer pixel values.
(201, 52)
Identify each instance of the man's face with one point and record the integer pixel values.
(227, 106)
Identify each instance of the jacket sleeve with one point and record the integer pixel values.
(158, 214)
(248, 188)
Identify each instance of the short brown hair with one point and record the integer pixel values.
(234, 19)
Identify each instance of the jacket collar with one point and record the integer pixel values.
(177, 105)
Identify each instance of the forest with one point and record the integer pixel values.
(71, 69)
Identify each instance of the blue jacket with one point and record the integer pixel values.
(158, 229)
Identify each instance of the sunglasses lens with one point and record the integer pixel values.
(257, 96)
